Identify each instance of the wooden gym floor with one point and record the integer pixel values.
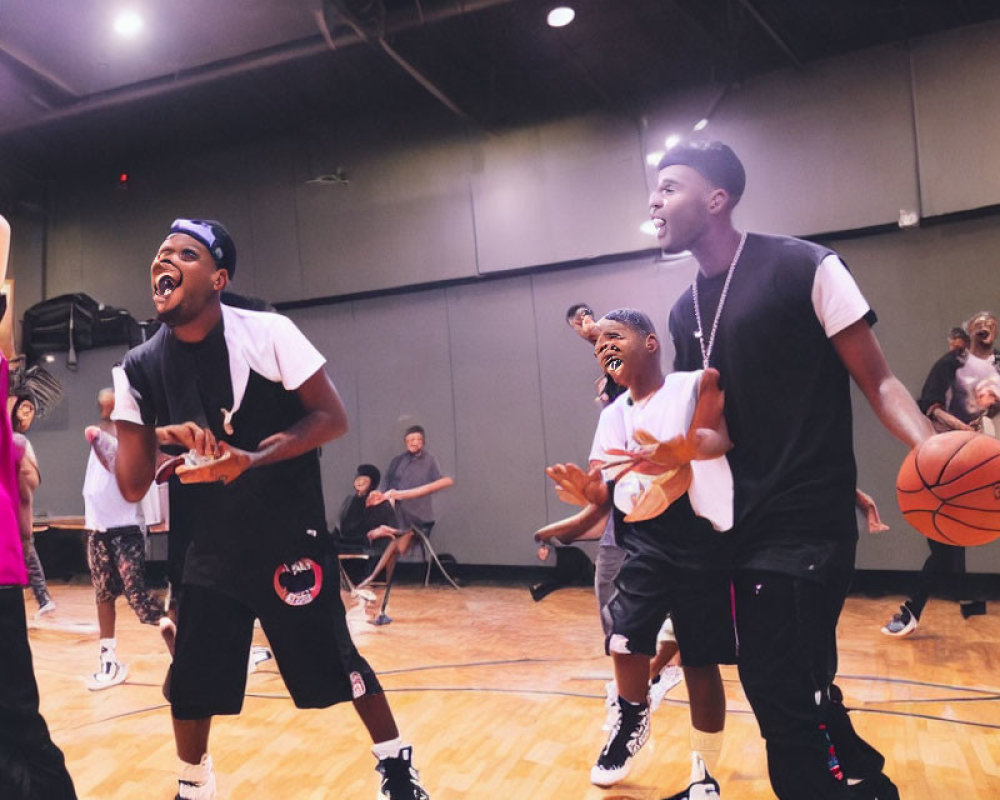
(502, 697)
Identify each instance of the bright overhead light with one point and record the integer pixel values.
(672, 141)
(701, 124)
(648, 228)
(654, 158)
(561, 16)
(128, 24)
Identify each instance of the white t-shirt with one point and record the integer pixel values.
(104, 506)
(665, 414)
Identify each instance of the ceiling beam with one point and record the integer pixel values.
(260, 59)
(772, 33)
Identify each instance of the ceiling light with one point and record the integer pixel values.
(701, 124)
(672, 141)
(654, 158)
(561, 16)
(128, 24)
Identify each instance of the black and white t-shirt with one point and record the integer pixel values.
(788, 404)
(247, 370)
(689, 529)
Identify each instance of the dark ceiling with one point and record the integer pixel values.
(211, 72)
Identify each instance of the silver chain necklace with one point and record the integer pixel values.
(706, 349)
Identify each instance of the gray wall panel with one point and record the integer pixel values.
(958, 113)
(500, 497)
(560, 192)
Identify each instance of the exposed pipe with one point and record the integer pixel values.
(775, 37)
(261, 59)
(365, 34)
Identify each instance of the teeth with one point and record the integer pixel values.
(165, 285)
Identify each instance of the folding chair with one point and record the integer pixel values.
(423, 533)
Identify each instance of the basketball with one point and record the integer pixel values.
(948, 488)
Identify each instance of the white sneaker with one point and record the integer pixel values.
(110, 673)
(258, 655)
(668, 678)
(46, 608)
(197, 781)
(366, 595)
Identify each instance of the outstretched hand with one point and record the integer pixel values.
(579, 487)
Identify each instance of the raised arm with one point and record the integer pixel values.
(860, 352)
(420, 491)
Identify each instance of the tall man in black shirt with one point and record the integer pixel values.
(790, 554)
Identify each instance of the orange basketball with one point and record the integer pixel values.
(949, 488)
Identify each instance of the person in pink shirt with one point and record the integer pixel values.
(31, 766)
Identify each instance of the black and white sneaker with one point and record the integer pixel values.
(629, 733)
(400, 781)
(703, 786)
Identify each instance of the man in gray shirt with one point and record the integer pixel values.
(413, 476)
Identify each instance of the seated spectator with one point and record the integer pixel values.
(359, 516)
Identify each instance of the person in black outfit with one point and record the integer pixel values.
(948, 398)
(789, 558)
(359, 517)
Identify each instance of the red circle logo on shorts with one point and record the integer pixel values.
(298, 583)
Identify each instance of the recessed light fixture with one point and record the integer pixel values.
(701, 124)
(128, 24)
(561, 16)
(654, 158)
(672, 141)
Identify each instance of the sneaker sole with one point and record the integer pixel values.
(609, 777)
(95, 685)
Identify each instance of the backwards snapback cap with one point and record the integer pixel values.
(214, 236)
(715, 160)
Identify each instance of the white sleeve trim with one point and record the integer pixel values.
(272, 346)
(126, 408)
(836, 298)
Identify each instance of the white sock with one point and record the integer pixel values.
(197, 773)
(389, 748)
(708, 746)
(108, 647)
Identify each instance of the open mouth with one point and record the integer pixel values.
(164, 285)
(613, 364)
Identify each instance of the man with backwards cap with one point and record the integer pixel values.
(789, 557)
(245, 394)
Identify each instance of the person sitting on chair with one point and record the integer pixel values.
(413, 476)
(359, 516)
